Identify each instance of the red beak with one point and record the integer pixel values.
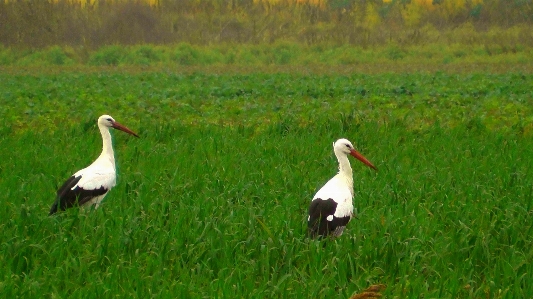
(123, 128)
(361, 158)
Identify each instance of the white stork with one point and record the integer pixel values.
(331, 208)
(90, 185)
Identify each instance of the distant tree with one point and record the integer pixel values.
(94, 23)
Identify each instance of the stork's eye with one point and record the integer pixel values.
(347, 145)
(109, 119)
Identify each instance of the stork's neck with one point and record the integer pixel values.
(344, 166)
(107, 147)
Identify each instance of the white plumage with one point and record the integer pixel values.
(331, 208)
(97, 175)
(90, 185)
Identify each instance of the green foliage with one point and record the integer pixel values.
(246, 55)
(211, 201)
(54, 56)
(108, 56)
(7, 56)
(393, 52)
(186, 54)
(144, 55)
(278, 54)
(284, 53)
(224, 98)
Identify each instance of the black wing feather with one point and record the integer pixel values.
(68, 197)
(319, 210)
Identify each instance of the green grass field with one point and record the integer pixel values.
(211, 201)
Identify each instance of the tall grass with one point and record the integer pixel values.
(280, 53)
(219, 212)
(205, 210)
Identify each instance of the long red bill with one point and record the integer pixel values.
(123, 128)
(361, 158)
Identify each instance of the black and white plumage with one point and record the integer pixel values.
(331, 208)
(90, 185)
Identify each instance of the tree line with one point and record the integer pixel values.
(96, 23)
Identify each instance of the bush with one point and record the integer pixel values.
(248, 55)
(393, 52)
(51, 56)
(7, 57)
(144, 55)
(349, 55)
(285, 52)
(109, 55)
(185, 54)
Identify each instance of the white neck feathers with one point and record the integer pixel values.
(107, 145)
(345, 170)
(344, 164)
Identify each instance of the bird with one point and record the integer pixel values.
(331, 208)
(89, 186)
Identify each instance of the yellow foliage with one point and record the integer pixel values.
(452, 7)
(372, 18)
(317, 3)
(312, 2)
(412, 14)
(427, 4)
(84, 3)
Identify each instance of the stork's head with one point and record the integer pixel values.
(345, 147)
(109, 122)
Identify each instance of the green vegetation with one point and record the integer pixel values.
(418, 100)
(279, 54)
(211, 201)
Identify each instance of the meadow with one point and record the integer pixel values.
(211, 200)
